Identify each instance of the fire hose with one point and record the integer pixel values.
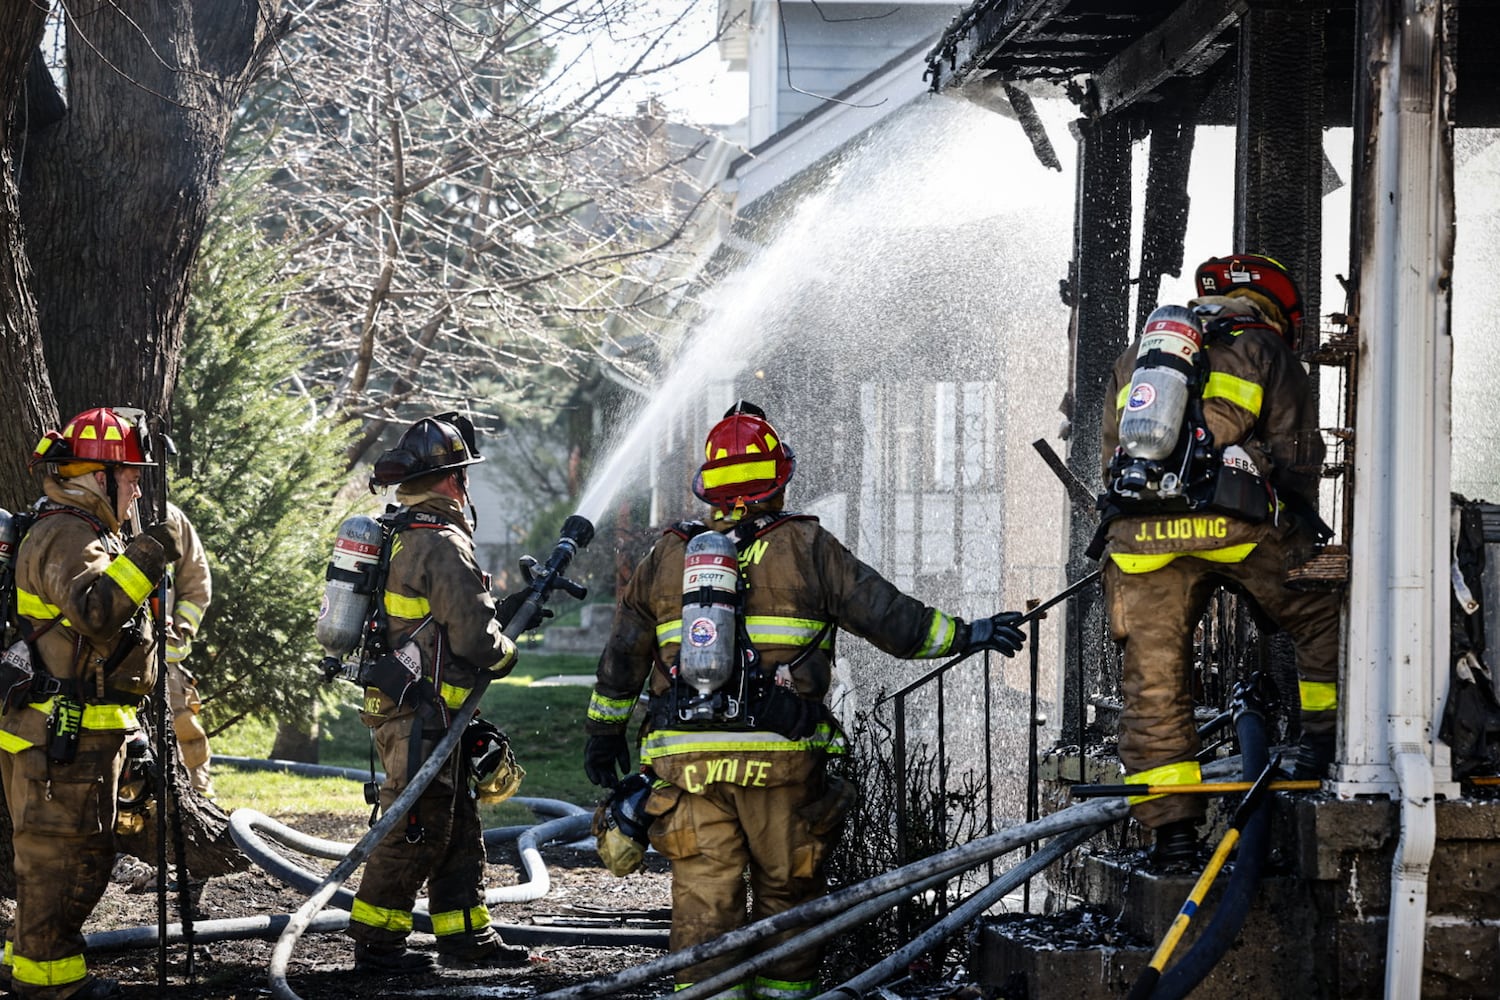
(577, 532)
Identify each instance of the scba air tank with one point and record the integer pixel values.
(710, 590)
(347, 595)
(7, 541)
(1152, 418)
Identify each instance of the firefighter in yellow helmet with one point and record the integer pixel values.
(740, 776)
(1251, 515)
(442, 633)
(74, 686)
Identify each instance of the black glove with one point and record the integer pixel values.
(170, 539)
(783, 711)
(603, 756)
(512, 605)
(998, 632)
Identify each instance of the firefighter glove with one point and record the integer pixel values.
(998, 632)
(512, 605)
(783, 711)
(169, 537)
(605, 758)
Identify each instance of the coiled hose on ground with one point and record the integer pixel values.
(250, 829)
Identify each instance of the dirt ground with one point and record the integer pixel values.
(582, 892)
(321, 965)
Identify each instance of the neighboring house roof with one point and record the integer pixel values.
(857, 108)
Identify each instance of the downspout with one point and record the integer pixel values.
(1409, 320)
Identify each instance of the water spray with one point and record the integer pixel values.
(577, 532)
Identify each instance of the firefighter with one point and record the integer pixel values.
(749, 788)
(1258, 518)
(441, 630)
(82, 599)
(191, 592)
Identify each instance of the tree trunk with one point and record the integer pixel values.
(293, 743)
(22, 369)
(115, 194)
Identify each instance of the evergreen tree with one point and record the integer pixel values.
(258, 476)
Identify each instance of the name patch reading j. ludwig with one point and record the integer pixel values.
(1178, 528)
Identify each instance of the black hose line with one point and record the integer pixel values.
(1250, 859)
(970, 909)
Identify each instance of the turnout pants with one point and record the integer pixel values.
(781, 835)
(64, 839)
(448, 852)
(1154, 615)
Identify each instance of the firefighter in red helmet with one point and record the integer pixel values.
(74, 685)
(741, 782)
(441, 629)
(1250, 516)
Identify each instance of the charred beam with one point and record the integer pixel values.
(1185, 44)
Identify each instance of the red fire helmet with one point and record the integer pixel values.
(1264, 276)
(744, 459)
(101, 435)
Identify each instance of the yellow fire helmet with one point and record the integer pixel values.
(620, 826)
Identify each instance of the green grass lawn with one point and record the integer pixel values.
(545, 726)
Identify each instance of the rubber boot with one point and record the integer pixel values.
(1314, 755)
(1176, 845)
(390, 961)
(479, 949)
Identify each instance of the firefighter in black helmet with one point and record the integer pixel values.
(442, 633)
(1253, 516)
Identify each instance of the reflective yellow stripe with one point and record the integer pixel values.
(610, 710)
(406, 607)
(6, 958)
(670, 632)
(129, 578)
(452, 921)
(1185, 773)
(668, 742)
(1122, 397)
(32, 606)
(783, 989)
(1317, 696)
(58, 972)
(13, 744)
(939, 636)
(1130, 562)
(190, 613)
(739, 991)
(99, 716)
(453, 696)
(775, 630)
(740, 472)
(1241, 392)
(379, 917)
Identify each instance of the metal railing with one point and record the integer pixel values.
(1036, 610)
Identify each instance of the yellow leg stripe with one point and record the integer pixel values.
(452, 921)
(58, 972)
(380, 918)
(1185, 772)
(1317, 696)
